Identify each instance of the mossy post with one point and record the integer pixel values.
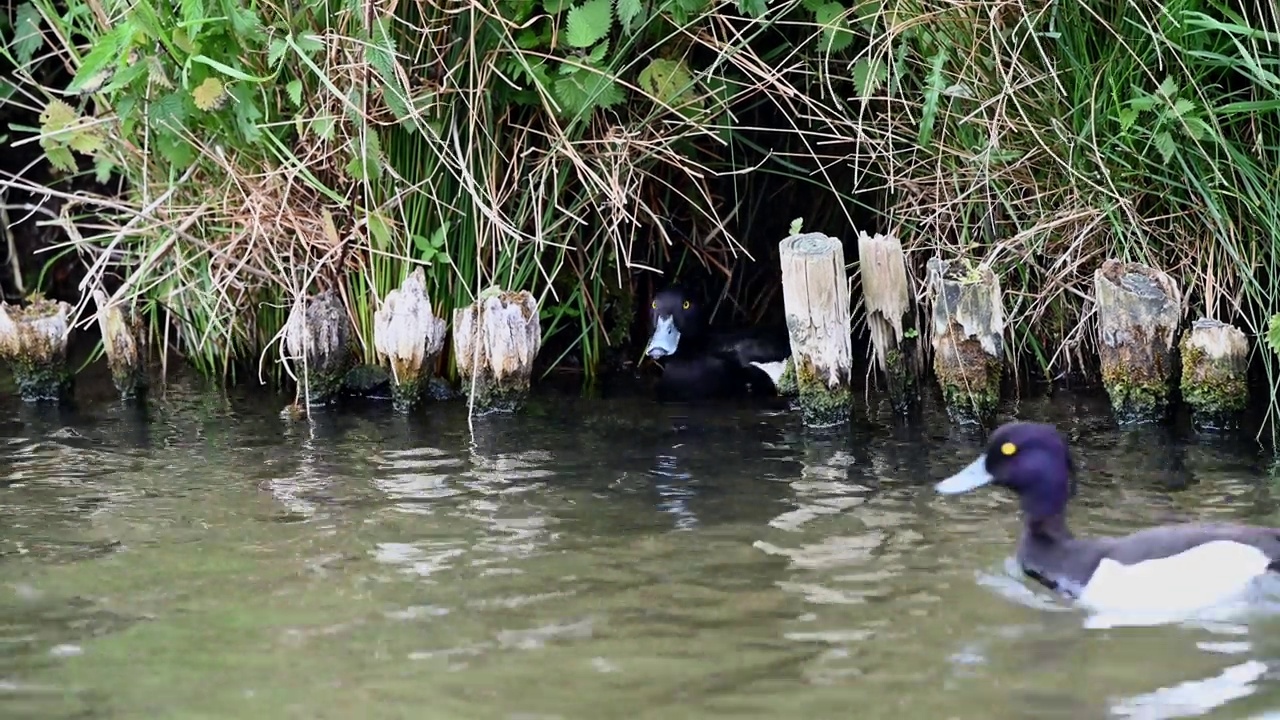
(891, 316)
(815, 294)
(1139, 310)
(409, 336)
(968, 338)
(495, 341)
(124, 342)
(1215, 364)
(318, 332)
(33, 340)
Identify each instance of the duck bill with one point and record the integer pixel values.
(665, 339)
(972, 477)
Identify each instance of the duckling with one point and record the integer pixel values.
(1161, 572)
(699, 364)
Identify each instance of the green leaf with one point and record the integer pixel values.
(27, 37)
(294, 88)
(1143, 103)
(753, 8)
(246, 111)
(276, 51)
(869, 74)
(192, 11)
(1182, 106)
(1127, 117)
(102, 169)
(310, 44)
(630, 13)
(61, 158)
(1165, 145)
(169, 109)
(244, 22)
(588, 23)
(665, 80)
(836, 35)
(932, 93)
(598, 51)
(582, 91)
(379, 231)
(1169, 87)
(174, 149)
(555, 7)
(106, 53)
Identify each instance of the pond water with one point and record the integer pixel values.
(590, 558)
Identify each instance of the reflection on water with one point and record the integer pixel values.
(588, 559)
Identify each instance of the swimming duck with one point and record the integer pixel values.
(1164, 572)
(699, 364)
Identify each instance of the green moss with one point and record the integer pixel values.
(1216, 393)
(324, 383)
(1135, 399)
(787, 386)
(491, 396)
(903, 387)
(821, 406)
(130, 379)
(44, 379)
(971, 394)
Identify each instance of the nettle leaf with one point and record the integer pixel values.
(869, 74)
(209, 94)
(294, 88)
(1169, 87)
(1165, 145)
(1128, 116)
(246, 111)
(276, 50)
(588, 23)
(175, 149)
(583, 90)
(310, 44)
(555, 7)
(169, 109)
(60, 158)
(1182, 106)
(27, 37)
(836, 35)
(192, 11)
(630, 13)
(102, 169)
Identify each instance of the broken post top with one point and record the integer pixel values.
(812, 243)
(970, 297)
(1133, 295)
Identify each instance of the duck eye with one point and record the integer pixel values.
(654, 305)
(686, 304)
(1008, 449)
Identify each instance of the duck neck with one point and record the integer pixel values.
(1051, 527)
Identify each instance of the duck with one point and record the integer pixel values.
(1161, 573)
(699, 364)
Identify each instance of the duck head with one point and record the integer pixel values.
(1030, 459)
(673, 316)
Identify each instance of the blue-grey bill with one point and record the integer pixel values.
(973, 476)
(665, 340)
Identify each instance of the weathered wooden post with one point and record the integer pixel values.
(408, 334)
(815, 294)
(968, 338)
(33, 339)
(891, 316)
(1139, 310)
(319, 332)
(1215, 365)
(495, 341)
(124, 342)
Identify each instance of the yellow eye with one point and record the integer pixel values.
(654, 305)
(686, 304)
(1008, 449)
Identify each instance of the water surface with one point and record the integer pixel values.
(591, 558)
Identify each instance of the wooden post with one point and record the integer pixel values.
(319, 332)
(33, 339)
(409, 335)
(1215, 362)
(891, 316)
(495, 341)
(1139, 310)
(815, 294)
(968, 338)
(124, 343)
